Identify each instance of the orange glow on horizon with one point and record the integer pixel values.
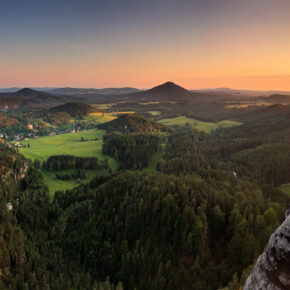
(197, 44)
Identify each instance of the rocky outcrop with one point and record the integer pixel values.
(272, 270)
(17, 173)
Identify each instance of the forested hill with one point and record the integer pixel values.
(155, 231)
(132, 123)
(28, 98)
(29, 255)
(76, 110)
(198, 219)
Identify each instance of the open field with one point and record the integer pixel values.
(103, 117)
(103, 106)
(55, 184)
(149, 103)
(154, 113)
(206, 127)
(69, 144)
(100, 117)
(245, 104)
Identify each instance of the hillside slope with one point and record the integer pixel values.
(76, 110)
(129, 123)
(168, 91)
(28, 98)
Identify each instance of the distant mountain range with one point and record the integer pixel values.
(250, 93)
(130, 90)
(78, 91)
(167, 92)
(28, 98)
(105, 91)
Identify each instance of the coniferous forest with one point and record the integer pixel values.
(144, 145)
(199, 220)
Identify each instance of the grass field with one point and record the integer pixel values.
(103, 106)
(55, 184)
(206, 127)
(246, 104)
(69, 144)
(149, 103)
(102, 117)
(154, 113)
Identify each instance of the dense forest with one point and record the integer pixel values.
(29, 255)
(132, 123)
(76, 110)
(134, 151)
(198, 220)
(62, 162)
(166, 232)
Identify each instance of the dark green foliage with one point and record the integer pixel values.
(76, 110)
(133, 150)
(153, 231)
(29, 257)
(184, 153)
(200, 223)
(62, 162)
(270, 164)
(58, 118)
(78, 174)
(130, 123)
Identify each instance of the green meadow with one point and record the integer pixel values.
(206, 127)
(68, 144)
(154, 113)
(55, 184)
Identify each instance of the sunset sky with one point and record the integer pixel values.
(113, 43)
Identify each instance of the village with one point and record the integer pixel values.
(15, 140)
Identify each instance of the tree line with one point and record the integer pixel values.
(63, 162)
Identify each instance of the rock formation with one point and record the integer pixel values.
(272, 270)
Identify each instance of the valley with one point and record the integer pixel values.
(184, 175)
(145, 145)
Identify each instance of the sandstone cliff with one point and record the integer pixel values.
(272, 269)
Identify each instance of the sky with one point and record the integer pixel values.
(241, 44)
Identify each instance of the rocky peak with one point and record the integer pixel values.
(272, 269)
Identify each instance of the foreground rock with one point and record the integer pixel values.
(272, 270)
